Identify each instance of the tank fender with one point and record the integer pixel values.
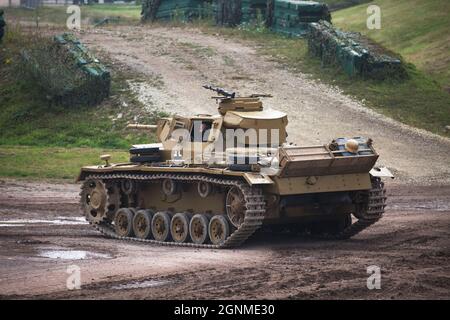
(254, 178)
(381, 172)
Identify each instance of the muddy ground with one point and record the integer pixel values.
(42, 235)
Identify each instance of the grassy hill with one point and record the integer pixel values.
(417, 29)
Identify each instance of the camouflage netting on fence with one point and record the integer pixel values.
(228, 12)
(251, 9)
(67, 72)
(293, 17)
(353, 52)
(285, 16)
(180, 10)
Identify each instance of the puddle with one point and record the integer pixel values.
(72, 254)
(140, 285)
(57, 221)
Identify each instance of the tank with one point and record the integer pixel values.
(213, 180)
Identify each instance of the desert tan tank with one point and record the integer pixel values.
(213, 180)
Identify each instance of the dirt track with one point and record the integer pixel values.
(411, 245)
(41, 233)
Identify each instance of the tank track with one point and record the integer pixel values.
(376, 202)
(254, 214)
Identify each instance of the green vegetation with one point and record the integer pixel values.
(31, 126)
(340, 4)
(90, 14)
(417, 29)
(51, 163)
(28, 118)
(127, 12)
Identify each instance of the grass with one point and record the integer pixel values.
(33, 131)
(417, 29)
(51, 163)
(130, 12)
(90, 14)
(340, 4)
(28, 118)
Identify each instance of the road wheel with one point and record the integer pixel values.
(235, 206)
(179, 227)
(142, 224)
(219, 229)
(198, 228)
(124, 222)
(161, 226)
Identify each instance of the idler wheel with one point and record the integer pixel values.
(179, 227)
(235, 206)
(198, 228)
(161, 226)
(123, 222)
(142, 224)
(219, 229)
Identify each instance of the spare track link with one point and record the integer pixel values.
(254, 214)
(376, 202)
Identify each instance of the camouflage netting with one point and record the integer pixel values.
(228, 12)
(235, 12)
(293, 17)
(251, 8)
(286, 16)
(355, 54)
(67, 72)
(182, 10)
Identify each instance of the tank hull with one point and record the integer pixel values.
(295, 203)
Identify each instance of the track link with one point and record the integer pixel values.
(254, 203)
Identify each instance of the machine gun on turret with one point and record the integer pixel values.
(232, 95)
(223, 92)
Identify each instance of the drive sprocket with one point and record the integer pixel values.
(99, 200)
